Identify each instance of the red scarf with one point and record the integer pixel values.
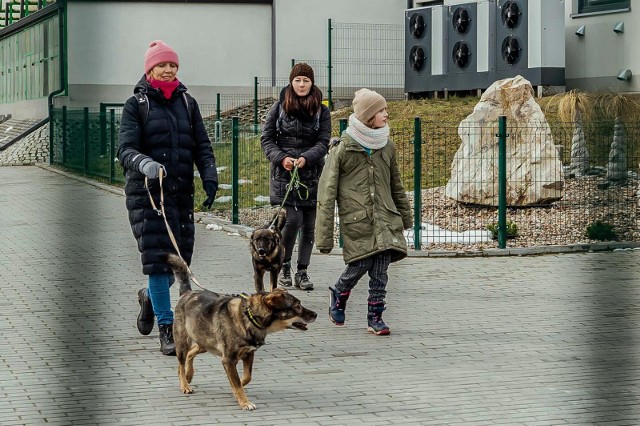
(167, 87)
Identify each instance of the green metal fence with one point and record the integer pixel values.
(366, 55)
(563, 200)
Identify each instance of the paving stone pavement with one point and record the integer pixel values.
(538, 340)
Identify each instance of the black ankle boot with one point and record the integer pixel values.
(337, 305)
(145, 317)
(375, 324)
(167, 345)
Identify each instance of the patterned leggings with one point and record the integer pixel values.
(376, 266)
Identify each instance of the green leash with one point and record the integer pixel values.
(294, 182)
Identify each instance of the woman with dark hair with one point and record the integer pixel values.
(296, 135)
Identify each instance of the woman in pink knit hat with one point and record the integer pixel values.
(162, 135)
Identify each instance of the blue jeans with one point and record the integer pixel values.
(159, 285)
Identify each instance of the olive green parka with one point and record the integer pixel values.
(372, 205)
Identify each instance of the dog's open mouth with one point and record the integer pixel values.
(299, 326)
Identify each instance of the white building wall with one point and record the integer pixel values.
(593, 61)
(302, 25)
(221, 46)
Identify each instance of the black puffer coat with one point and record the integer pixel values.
(308, 138)
(167, 137)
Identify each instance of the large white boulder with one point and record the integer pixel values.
(534, 169)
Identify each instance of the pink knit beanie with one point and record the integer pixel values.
(157, 53)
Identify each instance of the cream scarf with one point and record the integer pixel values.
(366, 136)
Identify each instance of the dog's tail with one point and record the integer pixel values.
(181, 271)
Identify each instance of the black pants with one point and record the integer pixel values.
(303, 220)
(377, 266)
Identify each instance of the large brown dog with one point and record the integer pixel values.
(267, 252)
(232, 327)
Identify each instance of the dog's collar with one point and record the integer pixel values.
(250, 315)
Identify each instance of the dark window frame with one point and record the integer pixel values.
(590, 6)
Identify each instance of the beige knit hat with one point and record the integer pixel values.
(367, 103)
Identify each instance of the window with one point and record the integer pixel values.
(588, 6)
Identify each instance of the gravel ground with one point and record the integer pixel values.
(560, 223)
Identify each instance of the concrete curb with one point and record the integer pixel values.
(245, 231)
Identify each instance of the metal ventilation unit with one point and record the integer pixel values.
(469, 44)
(481, 42)
(530, 41)
(418, 52)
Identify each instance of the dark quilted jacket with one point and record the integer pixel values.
(166, 137)
(306, 138)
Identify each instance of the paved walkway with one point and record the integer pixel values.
(544, 340)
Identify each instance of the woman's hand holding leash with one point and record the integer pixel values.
(152, 169)
(288, 163)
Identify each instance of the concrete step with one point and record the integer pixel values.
(15, 129)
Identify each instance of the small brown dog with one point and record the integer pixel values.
(232, 327)
(267, 251)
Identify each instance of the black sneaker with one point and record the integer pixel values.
(145, 317)
(167, 345)
(302, 280)
(285, 275)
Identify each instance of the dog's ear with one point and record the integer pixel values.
(276, 299)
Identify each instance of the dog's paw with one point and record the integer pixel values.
(186, 390)
(249, 406)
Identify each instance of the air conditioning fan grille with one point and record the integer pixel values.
(510, 14)
(417, 25)
(461, 54)
(510, 50)
(417, 58)
(461, 20)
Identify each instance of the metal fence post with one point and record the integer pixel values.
(235, 142)
(329, 88)
(417, 184)
(217, 133)
(51, 133)
(255, 105)
(86, 140)
(502, 182)
(103, 129)
(112, 150)
(342, 125)
(64, 134)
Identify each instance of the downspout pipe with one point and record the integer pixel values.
(63, 59)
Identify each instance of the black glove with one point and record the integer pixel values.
(210, 187)
(325, 250)
(151, 169)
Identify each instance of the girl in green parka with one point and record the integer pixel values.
(362, 175)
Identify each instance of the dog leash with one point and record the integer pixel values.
(162, 213)
(294, 182)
